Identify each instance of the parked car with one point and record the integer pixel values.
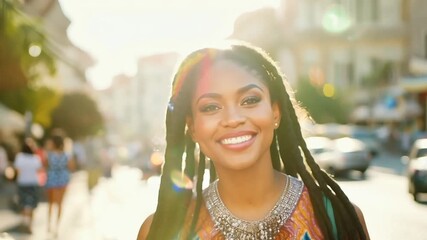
(417, 168)
(334, 131)
(339, 155)
(369, 138)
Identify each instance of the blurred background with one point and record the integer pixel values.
(101, 71)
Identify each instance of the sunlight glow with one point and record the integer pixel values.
(118, 32)
(336, 19)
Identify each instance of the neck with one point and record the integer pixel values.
(251, 194)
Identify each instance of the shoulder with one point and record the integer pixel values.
(19, 158)
(145, 228)
(361, 219)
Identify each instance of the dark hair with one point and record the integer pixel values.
(58, 141)
(26, 148)
(288, 151)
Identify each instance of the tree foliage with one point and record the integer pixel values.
(379, 75)
(18, 33)
(19, 71)
(40, 101)
(322, 109)
(78, 115)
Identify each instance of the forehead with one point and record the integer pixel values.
(226, 75)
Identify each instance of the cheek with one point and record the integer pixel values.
(265, 116)
(203, 128)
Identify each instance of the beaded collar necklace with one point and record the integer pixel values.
(234, 228)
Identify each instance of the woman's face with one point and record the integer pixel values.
(233, 119)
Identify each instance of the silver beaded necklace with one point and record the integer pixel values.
(234, 228)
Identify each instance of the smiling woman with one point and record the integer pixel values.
(233, 105)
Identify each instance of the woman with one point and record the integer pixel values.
(234, 105)
(41, 175)
(58, 166)
(27, 165)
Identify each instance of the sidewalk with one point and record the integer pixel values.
(114, 209)
(74, 203)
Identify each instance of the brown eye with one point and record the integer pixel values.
(251, 100)
(209, 108)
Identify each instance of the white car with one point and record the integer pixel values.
(417, 168)
(339, 155)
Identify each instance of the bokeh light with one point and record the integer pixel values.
(9, 173)
(317, 77)
(181, 181)
(336, 19)
(34, 50)
(328, 90)
(157, 158)
(37, 130)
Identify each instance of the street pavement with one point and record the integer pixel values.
(388, 162)
(115, 208)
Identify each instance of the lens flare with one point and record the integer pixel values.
(336, 19)
(181, 181)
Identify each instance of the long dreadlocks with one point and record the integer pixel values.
(289, 152)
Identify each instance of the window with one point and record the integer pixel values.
(343, 74)
(367, 11)
(425, 45)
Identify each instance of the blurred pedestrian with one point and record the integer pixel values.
(27, 164)
(234, 104)
(41, 175)
(4, 162)
(58, 167)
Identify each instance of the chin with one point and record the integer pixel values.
(238, 164)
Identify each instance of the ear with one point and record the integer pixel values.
(190, 126)
(277, 115)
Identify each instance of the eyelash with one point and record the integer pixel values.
(251, 100)
(247, 101)
(209, 108)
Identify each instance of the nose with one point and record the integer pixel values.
(232, 117)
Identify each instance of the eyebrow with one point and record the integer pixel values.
(239, 91)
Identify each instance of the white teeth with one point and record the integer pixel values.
(236, 140)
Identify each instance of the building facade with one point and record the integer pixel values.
(71, 61)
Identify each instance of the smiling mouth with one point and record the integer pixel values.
(236, 140)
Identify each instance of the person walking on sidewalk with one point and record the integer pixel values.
(39, 151)
(234, 106)
(58, 166)
(27, 164)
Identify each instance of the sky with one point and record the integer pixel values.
(118, 32)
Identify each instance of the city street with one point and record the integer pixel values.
(389, 210)
(117, 206)
(99, 95)
(114, 209)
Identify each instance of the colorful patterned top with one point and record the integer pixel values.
(58, 174)
(301, 224)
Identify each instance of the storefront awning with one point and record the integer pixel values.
(11, 121)
(380, 112)
(414, 84)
